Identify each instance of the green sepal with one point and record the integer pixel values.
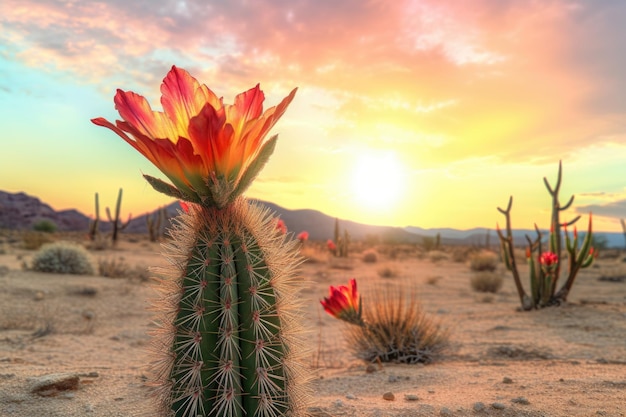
(254, 168)
(169, 190)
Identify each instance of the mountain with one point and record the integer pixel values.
(21, 211)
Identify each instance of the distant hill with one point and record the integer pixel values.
(21, 211)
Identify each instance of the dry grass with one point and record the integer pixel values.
(33, 240)
(484, 261)
(437, 256)
(486, 281)
(113, 267)
(397, 329)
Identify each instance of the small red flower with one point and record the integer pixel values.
(303, 236)
(281, 226)
(184, 206)
(548, 259)
(343, 302)
(331, 245)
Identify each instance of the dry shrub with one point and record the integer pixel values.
(100, 242)
(113, 267)
(484, 261)
(33, 240)
(460, 254)
(486, 281)
(397, 329)
(437, 255)
(62, 258)
(387, 271)
(370, 256)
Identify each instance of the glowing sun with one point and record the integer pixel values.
(378, 180)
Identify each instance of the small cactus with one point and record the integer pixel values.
(116, 224)
(154, 223)
(94, 224)
(545, 265)
(228, 342)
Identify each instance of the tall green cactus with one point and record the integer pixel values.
(545, 266)
(228, 342)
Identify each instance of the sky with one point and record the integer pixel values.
(425, 113)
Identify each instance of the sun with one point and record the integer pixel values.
(378, 181)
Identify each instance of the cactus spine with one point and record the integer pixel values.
(233, 331)
(116, 223)
(543, 282)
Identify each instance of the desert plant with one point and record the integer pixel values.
(113, 267)
(484, 261)
(545, 266)
(393, 328)
(94, 224)
(369, 256)
(45, 226)
(33, 240)
(431, 243)
(437, 255)
(62, 258)
(228, 343)
(342, 241)
(387, 271)
(117, 225)
(154, 223)
(486, 281)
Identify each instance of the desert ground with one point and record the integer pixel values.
(561, 361)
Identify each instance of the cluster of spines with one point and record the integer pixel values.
(233, 326)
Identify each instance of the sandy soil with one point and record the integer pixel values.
(566, 361)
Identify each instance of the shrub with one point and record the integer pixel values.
(486, 281)
(396, 329)
(62, 258)
(437, 255)
(369, 256)
(45, 225)
(484, 261)
(33, 240)
(387, 271)
(113, 268)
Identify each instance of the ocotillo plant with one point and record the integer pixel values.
(545, 266)
(229, 337)
(117, 224)
(93, 225)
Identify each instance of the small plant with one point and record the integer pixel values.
(431, 243)
(45, 226)
(387, 271)
(33, 240)
(484, 261)
(342, 241)
(393, 329)
(62, 258)
(155, 222)
(113, 267)
(437, 256)
(545, 265)
(370, 256)
(486, 281)
(116, 223)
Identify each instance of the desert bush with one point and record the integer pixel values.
(62, 258)
(100, 242)
(460, 254)
(437, 255)
(370, 256)
(33, 240)
(396, 329)
(113, 267)
(387, 271)
(484, 261)
(486, 281)
(45, 225)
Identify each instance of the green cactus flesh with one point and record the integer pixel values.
(229, 348)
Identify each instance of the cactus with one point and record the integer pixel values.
(154, 223)
(93, 225)
(228, 342)
(342, 242)
(116, 223)
(545, 266)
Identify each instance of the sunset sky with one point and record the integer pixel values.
(425, 113)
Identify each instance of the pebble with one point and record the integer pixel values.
(39, 295)
(479, 406)
(445, 412)
(498, 406)
(351, 396)
(389, 396)
(371, 368)
(411, 397)
(89, 408)
(520, 400)
(507, 380)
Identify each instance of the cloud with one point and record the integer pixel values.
(615, 209)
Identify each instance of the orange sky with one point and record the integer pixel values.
(453, 106)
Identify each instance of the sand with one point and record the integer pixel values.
(563, 361)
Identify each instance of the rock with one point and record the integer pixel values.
(507, 380)
(445, 412)
(478, 406)
(371, 368)
(350, 396)
(39, 295)
(51, 384)
(411, 397)
(388, 396)
(392, 378)
(520, 400)
(498, 406)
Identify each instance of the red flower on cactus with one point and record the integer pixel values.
(331, 245)
(548, 259)
(303, 236)
(281, 226)
(343, 302)
(210, 151)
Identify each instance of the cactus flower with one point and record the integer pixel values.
(548, 260)
(281, 226)
(331, 245)
(303, 236)
(209, 150)
(344, 303)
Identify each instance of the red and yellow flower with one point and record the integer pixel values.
(344, 303)
(209, 150)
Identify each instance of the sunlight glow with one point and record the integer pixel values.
(378, 181)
